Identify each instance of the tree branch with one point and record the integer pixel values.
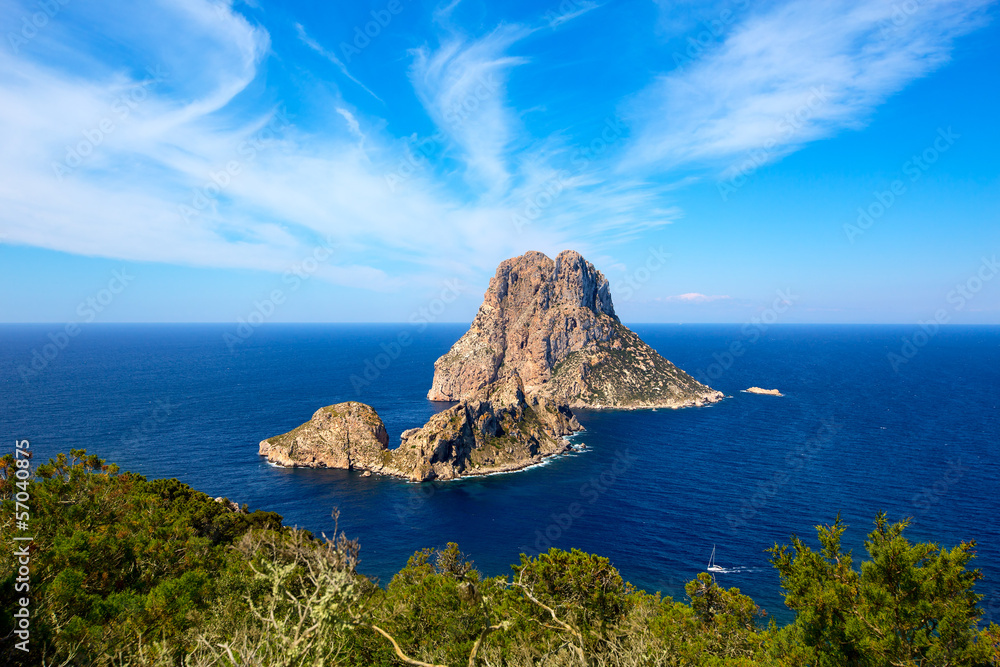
(475, 647)
(399, 652)
(569, 628)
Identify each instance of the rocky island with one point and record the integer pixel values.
(769, 392)
(499, 429)
(546, 339)
(552, 323)
(347, 435)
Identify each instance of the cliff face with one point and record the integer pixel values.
(498, 429)
(553, 324)
(346, 435)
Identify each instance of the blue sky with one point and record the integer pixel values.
(364, 161)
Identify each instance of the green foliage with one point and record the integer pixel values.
(568, 598)
(305, 614)
(583, 585)
(434, 606)
(127, 571)
(910, 604)
(117, 560)
(727, 618)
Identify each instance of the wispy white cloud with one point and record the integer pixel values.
(352, 124)
(795, 73)
(462, 84)
(575, 9)
(442, 14)
(259, 192)
(191, 127)
(679, 16)
(85, 162)
(331, 56)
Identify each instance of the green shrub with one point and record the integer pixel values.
(128, 571)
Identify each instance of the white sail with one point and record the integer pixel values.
(712, 567)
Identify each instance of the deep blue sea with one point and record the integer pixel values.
(657, 489)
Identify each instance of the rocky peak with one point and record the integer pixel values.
(553, 323)
(534, 279)
(578, 283)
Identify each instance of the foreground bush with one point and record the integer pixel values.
(128, 571)
(121, 564)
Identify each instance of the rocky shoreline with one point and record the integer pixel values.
(481, 472)
(518, 466)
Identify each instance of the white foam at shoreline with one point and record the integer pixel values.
(574, 448)
(544, 462)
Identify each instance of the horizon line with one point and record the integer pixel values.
(468, 322)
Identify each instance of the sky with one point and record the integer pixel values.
(197, 161)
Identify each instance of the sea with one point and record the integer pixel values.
(873, 418)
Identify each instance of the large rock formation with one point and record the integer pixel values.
(346, 435)
(545, 339)
(498, 429)
(553, 324)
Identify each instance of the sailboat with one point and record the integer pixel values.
(712, 567)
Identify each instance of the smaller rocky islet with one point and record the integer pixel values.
(546, 339)
(499, 429)
(346, 435)
(768, 392)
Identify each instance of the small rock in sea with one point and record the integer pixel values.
(769, 392)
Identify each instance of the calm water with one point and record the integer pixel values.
(654, 490)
